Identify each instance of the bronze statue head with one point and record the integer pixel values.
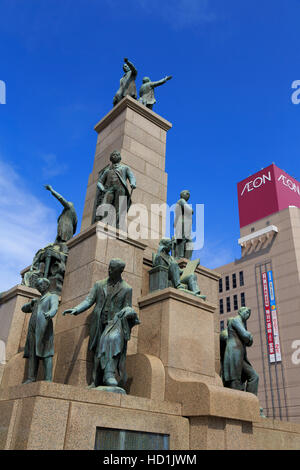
(165, 244)
(115, 156)
(115, 268)
(42, 285)
(245, 313)
(185, 194)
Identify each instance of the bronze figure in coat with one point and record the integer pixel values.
(111, 322)
(39, 342)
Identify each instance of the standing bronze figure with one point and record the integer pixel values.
(112, 185)
(39, 342)
(67, 221)
(236, 370)
(112, 320)
(127, 83)
(183, 227)
(147, 97)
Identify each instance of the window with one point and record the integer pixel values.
(243, 300)
(242, 278)
(235, 302)
(222, 326)
(221, 306)
(228, 308)
(227, 282)
(252, 229)
(220, 285)
(234, 281)
(118, 439)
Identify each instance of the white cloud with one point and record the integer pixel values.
(214, 254)
(26, 225)
(52, 167)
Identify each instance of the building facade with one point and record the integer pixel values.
(267, 279)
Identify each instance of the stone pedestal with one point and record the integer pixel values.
(13, 331)
(49, 416)
(140, 135)
(178, 328)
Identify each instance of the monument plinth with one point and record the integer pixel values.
(140, 136)
(174, 390)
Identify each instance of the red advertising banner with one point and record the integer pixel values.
(268, 318)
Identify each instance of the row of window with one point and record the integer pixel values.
(234, 281)
(235, 303)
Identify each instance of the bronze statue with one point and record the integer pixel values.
(237, 370)
(50, 263)
(127, 83)
(112, 185)
(147, 97)
(183, 226)
(39, 342)
(67, 221)
(178, 278)
(111, 322)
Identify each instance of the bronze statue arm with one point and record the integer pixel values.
(161, 82)
(54, 302)
(58, 196)
(85, 304)
(102, 180)
(28, 307)
(243, 334)
(131, 66)
(131, 178)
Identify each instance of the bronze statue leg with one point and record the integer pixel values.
(33, 364)
(235, 384)
(193, 284)
(48, 362)
(109, 377)
(174, 274)
(252, 378)
(95, 372)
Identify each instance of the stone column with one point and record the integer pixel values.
(140, 135)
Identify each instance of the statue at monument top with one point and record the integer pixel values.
(147, 97)
(67, 221)
(127, 83)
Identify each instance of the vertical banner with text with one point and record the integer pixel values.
(274, 316)
(268, 318)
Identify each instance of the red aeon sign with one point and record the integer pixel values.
(266, 192)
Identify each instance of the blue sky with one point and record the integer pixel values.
(233, 63)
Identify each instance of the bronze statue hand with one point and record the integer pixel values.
(168, 77)
(48, 187)
(133, 186)
(101, 187)
(69, 311)
(47, 315)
